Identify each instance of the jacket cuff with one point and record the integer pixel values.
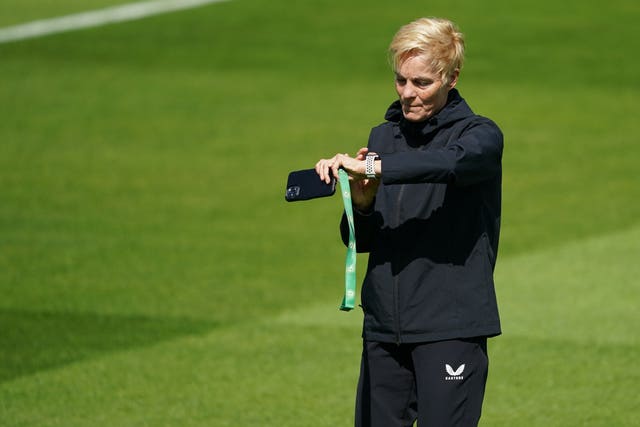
(390, 168)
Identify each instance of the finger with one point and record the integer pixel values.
(336, 171)
(321, 168)
(337, 164)
(335, 168)
(328, 174)
(328, 171)
(324, 166)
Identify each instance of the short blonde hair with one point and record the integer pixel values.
(438, 40)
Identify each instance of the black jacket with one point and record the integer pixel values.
(432, 234)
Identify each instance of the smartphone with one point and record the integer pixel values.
(306, 184)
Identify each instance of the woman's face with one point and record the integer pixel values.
(422, 91)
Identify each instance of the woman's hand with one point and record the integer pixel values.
(329, 167)
(363, 190)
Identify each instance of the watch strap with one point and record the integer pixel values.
(370, 165)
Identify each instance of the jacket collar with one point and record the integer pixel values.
(455, 109)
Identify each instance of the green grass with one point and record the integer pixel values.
(152, 275)
(19, 12)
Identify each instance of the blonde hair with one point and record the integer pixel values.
(437, 40)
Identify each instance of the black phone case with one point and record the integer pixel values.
(306, 184)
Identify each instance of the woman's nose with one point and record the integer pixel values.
(408, 91)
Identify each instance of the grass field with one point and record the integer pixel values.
(151, 273)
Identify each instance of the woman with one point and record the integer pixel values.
(426, 193)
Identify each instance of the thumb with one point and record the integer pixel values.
(362, 153)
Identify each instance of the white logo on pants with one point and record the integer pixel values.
(454, 375)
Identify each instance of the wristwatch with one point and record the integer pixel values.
(369, 165)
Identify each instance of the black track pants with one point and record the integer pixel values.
(440, 384)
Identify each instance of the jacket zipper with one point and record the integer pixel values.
(396, 284)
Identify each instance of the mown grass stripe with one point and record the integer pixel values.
(547, 293)
(95, 18)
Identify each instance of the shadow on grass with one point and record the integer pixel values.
(35, 341)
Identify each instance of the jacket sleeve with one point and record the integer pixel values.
(475, 156)
(365, 227)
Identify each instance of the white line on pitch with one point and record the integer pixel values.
(95, 18)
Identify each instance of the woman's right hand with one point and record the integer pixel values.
(363, 190)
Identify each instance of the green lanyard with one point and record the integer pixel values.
(348, 302)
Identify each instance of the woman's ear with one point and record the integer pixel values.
(453, 80)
